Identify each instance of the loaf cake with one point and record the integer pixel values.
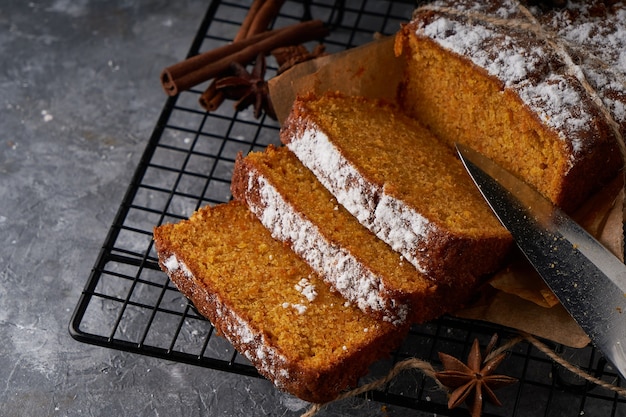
(296, 208)
(269, 303)
(369, 196)
(541, 92)
(400, 182)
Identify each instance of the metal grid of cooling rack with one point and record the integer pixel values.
(129, 304)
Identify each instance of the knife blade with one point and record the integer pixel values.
(588, 280)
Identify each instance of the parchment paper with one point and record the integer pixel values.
(516, 297)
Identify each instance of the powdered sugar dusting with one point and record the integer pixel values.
(351, 278)
(352, 191)
(300, 308)
(254, 345)
(173, 264)
(402, 226)
(600, 45)
(557, 93)
(390, 219)
(549, 79)
(251, 342)
(307, 289)
(510, 62)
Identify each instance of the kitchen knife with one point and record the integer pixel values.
(588, 280)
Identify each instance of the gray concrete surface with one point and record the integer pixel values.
(79, 99)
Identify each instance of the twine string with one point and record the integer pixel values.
(573, 368)
(408, 364)
(427, 369)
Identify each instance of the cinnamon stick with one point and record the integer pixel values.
(174, 78)
(211, 98)
(203, 67)
(259, 16)
(264, 15)
(244, 29)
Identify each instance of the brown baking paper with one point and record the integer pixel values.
(516, 296)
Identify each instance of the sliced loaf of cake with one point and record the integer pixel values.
(400, 182)
(296, 208)
(269, 303)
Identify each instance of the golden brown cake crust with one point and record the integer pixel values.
(543, 91)
(313, 349)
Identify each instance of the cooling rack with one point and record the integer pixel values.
(130, 305)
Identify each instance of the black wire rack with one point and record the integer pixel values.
(129, 304)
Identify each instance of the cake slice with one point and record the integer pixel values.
(400, 182)
(543, 93)
(296, 208)
(269, 303)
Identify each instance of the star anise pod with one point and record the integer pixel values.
(248, 88)
(474, 381)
